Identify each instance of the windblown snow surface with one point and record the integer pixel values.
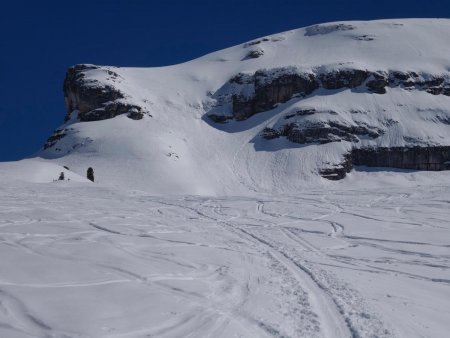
(369, 257)
(194, 230)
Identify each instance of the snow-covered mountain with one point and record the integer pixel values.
(278, 113)
(288, 250)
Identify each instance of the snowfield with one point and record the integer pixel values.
(201, 229)
(367, 258)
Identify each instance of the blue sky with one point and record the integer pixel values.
(40, 39)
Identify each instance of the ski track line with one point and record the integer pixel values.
(333, 323)
(323, 303)
(314, 250)
(232, 314)
(327, 309)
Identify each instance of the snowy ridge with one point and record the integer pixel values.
(173, 145)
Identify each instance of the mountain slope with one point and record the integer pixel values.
(275, 114)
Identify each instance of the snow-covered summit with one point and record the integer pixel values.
(272, 114)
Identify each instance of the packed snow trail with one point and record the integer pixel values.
(83, 260)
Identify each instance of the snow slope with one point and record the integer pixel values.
(178, 150)
(82, 260)
(35, 171)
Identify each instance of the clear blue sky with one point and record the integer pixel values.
(40, 39)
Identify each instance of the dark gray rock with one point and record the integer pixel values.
(338, 171)
(274, 86)
(270, 91)
(401, 76)
(254, 54)
(327, 29)
(243, 107)
(219, 118)
(90, 174)
(346, 78)
(93, 100)
(300, 112)
(256, 42)
(435, 85)
(270, 134)
(321, 132)
(242, 79)
(378, 83)
(58, 134)
(432, 158)
(364, 37)
(110, 110)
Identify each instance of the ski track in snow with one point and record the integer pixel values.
(83, 262)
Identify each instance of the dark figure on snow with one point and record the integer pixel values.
(61, 176)
(90, 174)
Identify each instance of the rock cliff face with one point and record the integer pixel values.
(94, 100)
(271, 87)
(274, 86)
(433, 158)
(322, 131)
(270, 91)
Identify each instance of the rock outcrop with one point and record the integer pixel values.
(93, 100)
(57, 135)
(321, 132)
(254, 54)
(279, 85)
(434, 158)
(326, 132)
(271, 88)
(267, 88)
(338, 171)
(431, 157)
